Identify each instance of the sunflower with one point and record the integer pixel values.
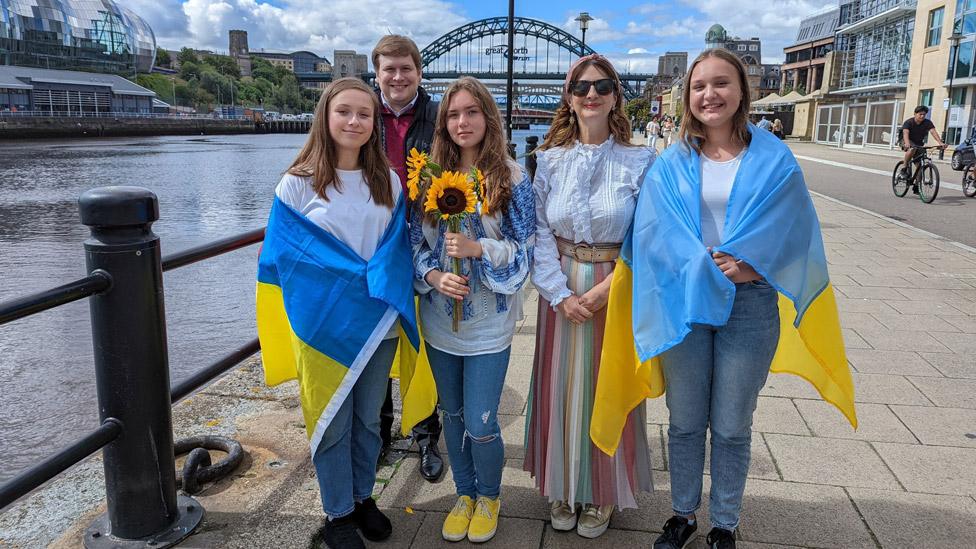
(479, 179)
(450, 194)
(416, 162)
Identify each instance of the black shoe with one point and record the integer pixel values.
(677, 533)
(340, 533)
(371, 521)
(720, 539)
(431, 464)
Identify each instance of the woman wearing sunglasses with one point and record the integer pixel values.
(586, 187)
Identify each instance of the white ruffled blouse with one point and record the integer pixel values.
(584, 193)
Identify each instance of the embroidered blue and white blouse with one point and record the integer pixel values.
(494, 303)
(584, 193)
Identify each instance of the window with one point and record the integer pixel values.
(925, 98)
(753, 47)
(934, 35)
(964, 58)
(742, 47)
(958, 97)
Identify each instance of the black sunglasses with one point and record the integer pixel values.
(604, 86)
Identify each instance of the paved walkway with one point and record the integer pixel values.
(906, 478)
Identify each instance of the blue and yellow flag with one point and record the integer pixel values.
(666, 280)
(322, 310)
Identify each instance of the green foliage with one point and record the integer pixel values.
(162, 58)
(187, 55)
(225, 65)
(638, 109)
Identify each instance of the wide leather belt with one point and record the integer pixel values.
(588, 253)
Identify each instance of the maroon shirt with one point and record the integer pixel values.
(395, 128)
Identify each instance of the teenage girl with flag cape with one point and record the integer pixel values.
(722, 280)
(334, 299)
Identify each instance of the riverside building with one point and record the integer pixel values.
(92, 35)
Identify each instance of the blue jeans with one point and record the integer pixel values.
(469, 389)
(345, 461)
(713, 380)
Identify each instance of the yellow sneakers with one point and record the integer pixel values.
(456, 524)
(485, 520)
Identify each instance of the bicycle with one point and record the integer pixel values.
(969, 181)
(925, 179)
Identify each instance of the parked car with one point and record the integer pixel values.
(306, 116)
(965, 155)
(289, 117)
(272, 115)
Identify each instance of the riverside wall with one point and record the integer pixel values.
(43, 127)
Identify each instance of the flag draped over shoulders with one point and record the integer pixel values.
(322, 310)
(666, 280)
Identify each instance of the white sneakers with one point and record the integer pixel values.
(592, 522)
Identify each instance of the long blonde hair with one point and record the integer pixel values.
(692, 132)
(492, 157)
(564, 129)
(318, 158)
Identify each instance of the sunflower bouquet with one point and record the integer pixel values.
(450, 196)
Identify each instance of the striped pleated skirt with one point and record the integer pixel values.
(558, 451)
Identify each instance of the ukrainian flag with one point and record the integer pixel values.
(665, 280)
(322, 310)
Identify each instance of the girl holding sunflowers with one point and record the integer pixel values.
(473, 233)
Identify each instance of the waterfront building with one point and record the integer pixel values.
(297, 61)
(930, 70)
(872, 50)
(673, 64)
(92, 35)
(806, 59)
(749, 50)
(70, 93)
(349, 63)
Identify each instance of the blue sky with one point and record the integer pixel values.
(631, 32)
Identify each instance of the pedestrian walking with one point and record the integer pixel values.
(408, 123)
(653, 129)
(777, 129)
(495, 245)
(587, 181)
(667, 131)
(710, 278)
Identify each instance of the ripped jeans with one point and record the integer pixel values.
(469, 389)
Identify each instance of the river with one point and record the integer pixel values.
(208, 187)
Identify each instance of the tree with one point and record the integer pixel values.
(189, 71)
(638, 109)
(187, 55)
(225, 65)
(162, 58)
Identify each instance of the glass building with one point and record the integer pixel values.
(873, 49)
(93, 35)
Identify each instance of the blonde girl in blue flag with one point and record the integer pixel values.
(495, 245)
(335, 297)
(722, 280)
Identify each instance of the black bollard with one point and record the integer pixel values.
(531, 142)
(132, 375)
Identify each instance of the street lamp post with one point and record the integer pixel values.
(584, 23)
(954, 52)
(510, 70)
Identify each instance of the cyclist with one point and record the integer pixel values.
(913, 135)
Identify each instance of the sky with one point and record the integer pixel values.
(632, 33)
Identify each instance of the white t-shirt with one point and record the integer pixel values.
(350, 214)
(717, 179)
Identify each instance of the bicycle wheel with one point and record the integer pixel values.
(969, 182)
(899, 181)
(928, 187)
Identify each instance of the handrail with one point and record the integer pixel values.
(130, 365)
(205, 375)
(212, 249)
(28, 480)
(97, 282)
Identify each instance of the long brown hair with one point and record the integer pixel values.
(318, 157)
(692, 132)
(565, 130)
(492, 157)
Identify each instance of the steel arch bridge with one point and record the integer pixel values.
(543, 52)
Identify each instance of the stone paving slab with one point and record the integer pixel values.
(871, 361)
(917, 520)
(931, 469)
(830, 461)
(876, 422)
(940, 426)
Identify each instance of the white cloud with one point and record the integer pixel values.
(315, 25)
(635, 51)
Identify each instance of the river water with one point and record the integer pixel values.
(208, 187)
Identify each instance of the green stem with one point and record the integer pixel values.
(454, 225)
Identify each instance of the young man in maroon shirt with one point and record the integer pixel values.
(408, 122)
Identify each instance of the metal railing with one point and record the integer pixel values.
(125, 287)
(75, 114)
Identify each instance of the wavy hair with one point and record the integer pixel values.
(564, 130)
(492, 157)
(318, 158)
(692, 131)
